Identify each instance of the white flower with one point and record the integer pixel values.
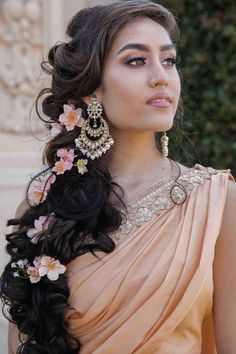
(21, 263)
(51, 267)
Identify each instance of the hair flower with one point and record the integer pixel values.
(71, 117)
(42, 265)
(66, 161)
(40, 225)
(21, 268)
(38, 190)
(33, 274)
(66, 155)
(56, 128)
(81, 165)
(51, 267)
(62, 166)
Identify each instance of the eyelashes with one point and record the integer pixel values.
(136, 59)
(170, 61)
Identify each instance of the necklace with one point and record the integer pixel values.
(130, 198)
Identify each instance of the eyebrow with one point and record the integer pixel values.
(145, 48)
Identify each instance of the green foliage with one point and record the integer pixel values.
(207, 50)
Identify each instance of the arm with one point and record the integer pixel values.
(224, 276)
(13, 333)
(13, 338)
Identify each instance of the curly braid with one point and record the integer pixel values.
(80, 204)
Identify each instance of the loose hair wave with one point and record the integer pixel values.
(81, 204)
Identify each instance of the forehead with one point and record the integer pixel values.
(142, 30)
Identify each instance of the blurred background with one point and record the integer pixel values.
(207, 53)
(207, 64)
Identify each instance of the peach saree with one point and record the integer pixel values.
(154, 292)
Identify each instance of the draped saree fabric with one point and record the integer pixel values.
(154, 292)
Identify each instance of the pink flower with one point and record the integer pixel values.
(51, 267)
(41, 224)
(66, 155)
(81, 165)
(56, 128)
(33, 274)
(66, 161)
(62, 166)
(47, 181)
(71, 117)
(37, 261)
(37, 195)
(39, 188)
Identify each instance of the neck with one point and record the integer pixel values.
(134, 159)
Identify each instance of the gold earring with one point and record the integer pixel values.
(94, 139)
(164, 145)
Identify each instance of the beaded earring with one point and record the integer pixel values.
(164, 145)
(94, 139)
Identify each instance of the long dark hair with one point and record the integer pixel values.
(80, 204)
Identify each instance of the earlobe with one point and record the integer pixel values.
(95, 96)
(88, 99)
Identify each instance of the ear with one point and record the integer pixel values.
(96, 95)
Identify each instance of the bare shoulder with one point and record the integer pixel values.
(224, 276)
(228, 227)
(22, 207)
(226, 242)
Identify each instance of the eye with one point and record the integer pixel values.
(170, 61)
(136, 61)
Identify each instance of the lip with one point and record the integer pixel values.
(159, 99)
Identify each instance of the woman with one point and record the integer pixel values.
(120, 249)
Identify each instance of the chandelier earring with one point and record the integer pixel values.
(94, 139)
(164, 145)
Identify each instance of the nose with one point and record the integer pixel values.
(158, 76)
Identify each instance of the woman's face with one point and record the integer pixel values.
(140, 86)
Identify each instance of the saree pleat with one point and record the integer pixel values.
(154, 292)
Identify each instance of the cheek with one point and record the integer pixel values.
(175, 88)
(177, 84)
(120, 96)
(119, 86)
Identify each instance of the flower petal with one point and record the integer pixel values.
(53, 274)
(43, 270)
(67, 108)
(61, 269)
(69, 127)
(32, 232)
(81, 122)
(45, 260)
(38, 224)
(56, 129)
(35, 239)
(61, 152)
(59, 167)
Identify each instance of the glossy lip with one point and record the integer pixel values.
(155, 100)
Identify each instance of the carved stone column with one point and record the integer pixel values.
(21, 52)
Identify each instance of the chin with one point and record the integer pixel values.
(164, 125)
